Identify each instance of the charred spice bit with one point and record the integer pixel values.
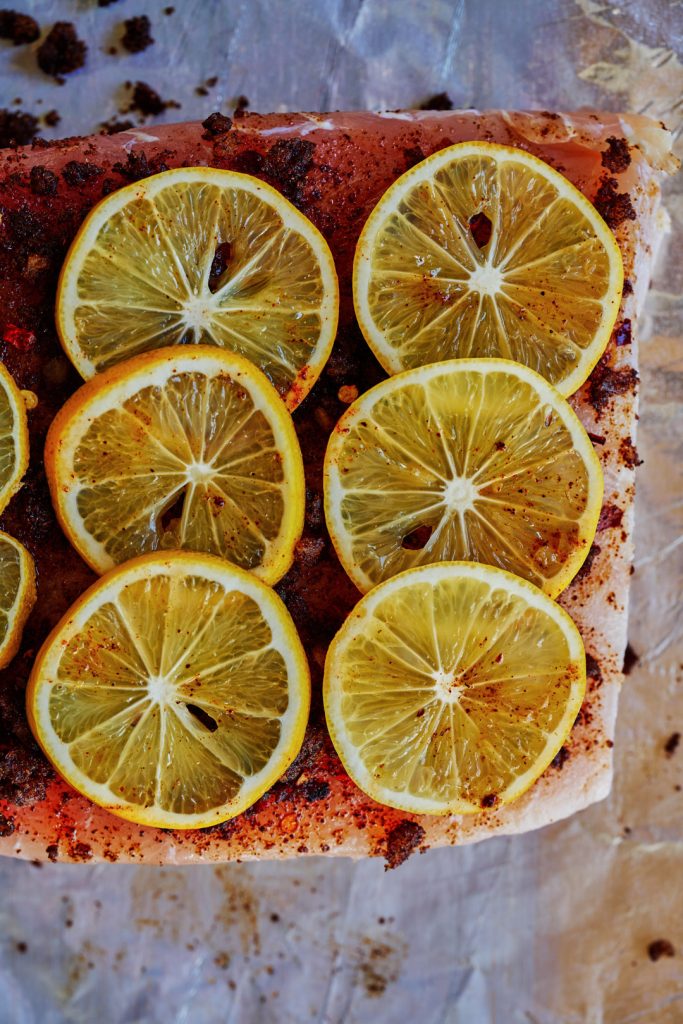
(137, 35)
(596, 438)
(617, 156)
(18, 337)
(605, 382)
(439, 101)
(61, 52)
(52, 118)
(315, 789)
(490, 800)
(627, 288)
(593, 670)
(17, 128)
(614, 207)
(560, 759)
(106, 3)
(629, 454)
(671, 745)
(6, 825)
(401, 841)
(593, 552)
(610, 516)
(622, 334)
(19, 28)
(114, 126)
(216, 124)
(22, 947)
(631, 659)
(659, 948)
(308, 551)
(241, 105)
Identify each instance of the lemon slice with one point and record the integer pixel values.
(484, 250)
(17, 594)
(174, 692)
(178, 448)
(451, 687)
(476, 460)
(14, 445)
(200, 255)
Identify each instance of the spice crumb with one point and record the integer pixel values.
(137, 35)
(19, 28)
(61, 52)
(659, 948)
(671, 745)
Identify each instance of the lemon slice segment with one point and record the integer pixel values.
(485, 250)
(174, 692)
(476, 460)
(14, 444)
(17, 594)
(184, 447)
(433, 700)
(200, 255)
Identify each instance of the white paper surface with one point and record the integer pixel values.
(547, 928)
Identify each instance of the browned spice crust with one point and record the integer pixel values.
(17, 128)
(19, 28)
(216, 124)
(61, 52)
(614, 207)
(610, 516)
(401, 841)
(137, 34)
(628, 453)
(605, 382)
(43, 181)
(617, 157)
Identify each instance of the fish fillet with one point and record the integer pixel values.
(334, 167)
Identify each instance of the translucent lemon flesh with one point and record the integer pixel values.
(477, 460)
(179, 448)
(484, 250)
(174, 692)
(204, 256)
(450, 688)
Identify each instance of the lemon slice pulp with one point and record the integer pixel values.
(200, 255)
(174, 692)
(451, 687)
(14, 444)
(476, 460)
(17, 594)
(184, 447)
(485, 250)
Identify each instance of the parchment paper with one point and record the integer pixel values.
(547, 928)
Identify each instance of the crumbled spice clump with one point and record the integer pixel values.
(286, 163)
(137, 35)
(77, 173)
(622, 334)
(17, 128)
(560, 759)
(439, 101)
(315, 789)
(593, 670)
(610, 516)
(617, 156)
(629, 454)
(216, 124)
(614, 207)
(114, 126)
(6, 825)
(106, 3)
(241, 105)
(148, 101)
(401, 841)
(19, 28)
(659, 948)
(43, 182)
(605, 382)
(671, 745)
(52, 118)
(585, 569)
(61, 52)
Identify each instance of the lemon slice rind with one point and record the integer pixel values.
(143, 191)
(176, 565)
(23, 599)
(18, 432)
(109, 390)
(424, 172)
(354, 631)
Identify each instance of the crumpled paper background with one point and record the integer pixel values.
(547, 928)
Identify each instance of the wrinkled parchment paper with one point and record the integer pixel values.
(547, 928)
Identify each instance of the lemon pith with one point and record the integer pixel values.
(138, 276)
(184, 447)
(542, 287)
(174, 692)
(17, 594)
(462, 460)
(432, 700)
